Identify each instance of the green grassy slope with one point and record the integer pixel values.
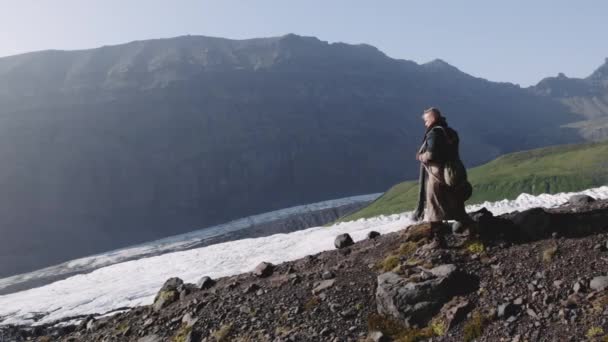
(545, 170)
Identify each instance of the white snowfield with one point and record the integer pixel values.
(136, 282)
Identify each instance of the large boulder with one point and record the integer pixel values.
(532, 224)
(580, 199)
(415, 303)
(263, 269)
(373, 234)
(168, 294)
(343, 240)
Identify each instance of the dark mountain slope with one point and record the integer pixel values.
(123, 144)
(587, 97)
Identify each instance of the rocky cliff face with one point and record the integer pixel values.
(587, 97)
(531, 275)
(108, 147)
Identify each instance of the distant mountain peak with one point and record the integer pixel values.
(438, 64)
(600, 73)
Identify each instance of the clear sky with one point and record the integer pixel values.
(519, 41)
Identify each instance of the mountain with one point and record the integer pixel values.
(545, 170)
(119, 145)
(587, 97)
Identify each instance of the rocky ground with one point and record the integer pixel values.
(537, 275)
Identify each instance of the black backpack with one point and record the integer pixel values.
(454, 171)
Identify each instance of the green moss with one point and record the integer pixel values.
(594, 332)
(389, 263)
(414, 262)
(549, 253)
(438, 328)
(221, 335)
(474, 327)
(475, 247)
(397, 330)
(546, 170)
(122, 328)
(167, 296)
(393, 259)
(182, 333)
(407, 248)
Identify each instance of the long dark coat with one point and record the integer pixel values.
(437, 201)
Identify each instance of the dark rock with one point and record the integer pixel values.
(205, 283)
(343, 240)
(251, 288)
(580, 199)
(373, 234)
(193, 336)
(577, 287)
(533, 223)
(263, 269)
(506, 310)
(481, 215)
(327, 275)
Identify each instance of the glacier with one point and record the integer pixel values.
(197, 238)
(135, 282)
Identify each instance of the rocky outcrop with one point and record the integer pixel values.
(415, 302)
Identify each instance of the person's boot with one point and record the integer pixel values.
(465, 226)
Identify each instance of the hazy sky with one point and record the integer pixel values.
(515, 40)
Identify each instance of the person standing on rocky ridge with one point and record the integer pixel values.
(441, 199)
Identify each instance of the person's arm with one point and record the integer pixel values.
(434, 147)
